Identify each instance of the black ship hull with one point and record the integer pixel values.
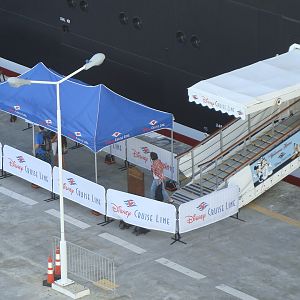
(155, 49)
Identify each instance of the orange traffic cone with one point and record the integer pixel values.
(57, 262)
(50, 276)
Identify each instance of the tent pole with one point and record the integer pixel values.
(33, 141)
(172, 150)
(96, 168)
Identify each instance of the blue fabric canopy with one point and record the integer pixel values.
(93, 116)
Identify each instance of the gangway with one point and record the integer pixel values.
(257, 149)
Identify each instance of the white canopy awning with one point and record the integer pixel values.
(252, 88)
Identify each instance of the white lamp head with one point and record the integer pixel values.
(96, 60)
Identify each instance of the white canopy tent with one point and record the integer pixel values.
(253, 88)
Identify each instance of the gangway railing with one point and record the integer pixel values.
(264, 150)
(195, 161)
(242, 141)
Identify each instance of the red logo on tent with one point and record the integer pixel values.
(202, 206)
(48, 122)
(130, 203)
(71, 181)
(116, 134)
(153, 122)
(145, 150)
(77, 133)
(21, 159)
(17, 107)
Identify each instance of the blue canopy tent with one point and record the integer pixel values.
(93, 116)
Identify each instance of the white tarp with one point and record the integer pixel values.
(141, 211)
(27, 167)
(208, 209)
(252, 88)
(81, 191)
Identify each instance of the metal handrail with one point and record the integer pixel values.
(250, 134)
(208, 138)
(295, 129)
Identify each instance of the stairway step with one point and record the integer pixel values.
(227, 172)
(279, 131)
(208, 184)
(247, 154)
(253, 149)
(206, 189)
(243, 158)
(228, 165)
(217, 175)
(264, 140)
(181, 197)
(258, 146)
(192, 190)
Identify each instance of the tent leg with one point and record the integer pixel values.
(172, 153)
(33, 141)
(96, 168)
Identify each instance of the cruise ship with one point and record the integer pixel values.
(154, 50)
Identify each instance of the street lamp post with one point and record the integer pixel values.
(96, 60)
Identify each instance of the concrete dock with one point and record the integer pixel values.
(256, 257)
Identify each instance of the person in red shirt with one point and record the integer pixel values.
(157, 169)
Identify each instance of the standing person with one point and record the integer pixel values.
(13, 118)
(42, 148)
(157, 169)
(64, 143)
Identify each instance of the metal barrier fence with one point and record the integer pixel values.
(89, 265)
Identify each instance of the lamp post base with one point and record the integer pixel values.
(73, 290)
(67, 282)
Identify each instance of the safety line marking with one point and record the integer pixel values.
(274, 215)
(120, 242)
(236, 293)
(68, 219)
(17, 196)
(180, 268)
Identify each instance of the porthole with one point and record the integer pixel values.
(180, 36)
(137, 23)
(123, 18)
(83, 5)
(72, 3)
(195, 41)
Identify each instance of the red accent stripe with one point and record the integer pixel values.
(179, 137)
(8, 72)
(292, 180)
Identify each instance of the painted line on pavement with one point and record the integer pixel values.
(17, 196)
(68, 219)
(275, 215)
(236, 293)
(180, 268)
(120, 242)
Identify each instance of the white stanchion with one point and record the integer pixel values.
(81, 191)
(208, 209)
(138, 153)
(27, 167)
(141, 211)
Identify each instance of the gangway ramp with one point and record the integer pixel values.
(215, 173)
